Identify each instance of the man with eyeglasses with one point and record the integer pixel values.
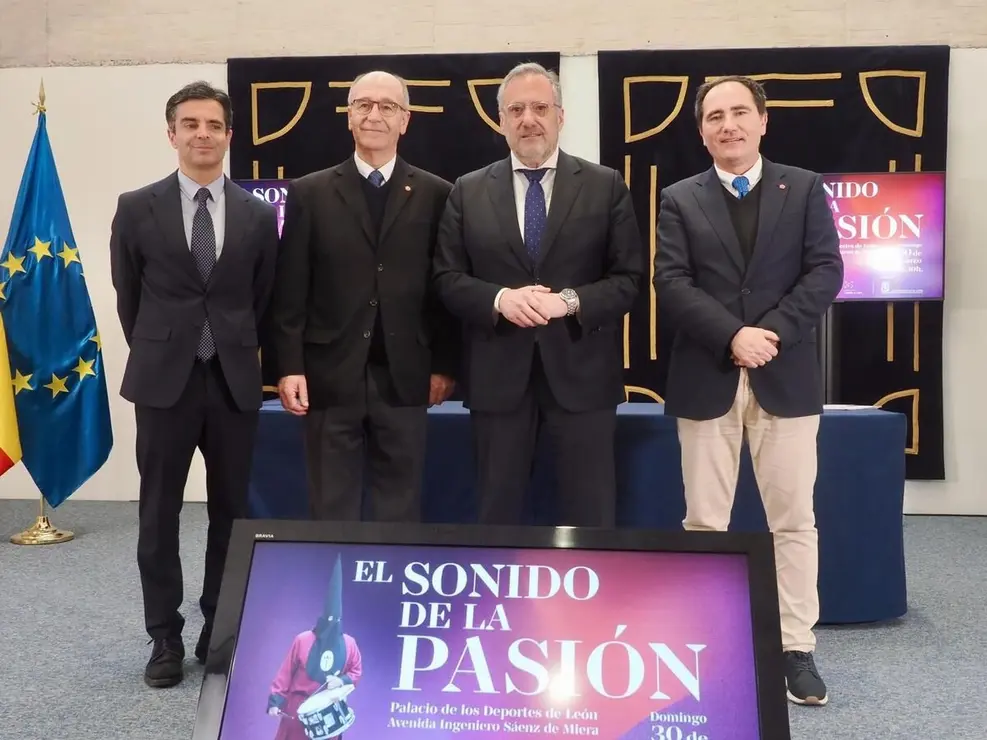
(540, 256)
(363, 346)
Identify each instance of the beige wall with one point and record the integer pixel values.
(70, 32)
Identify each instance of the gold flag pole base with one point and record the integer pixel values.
(42, 532)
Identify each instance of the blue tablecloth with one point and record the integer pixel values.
(859, 491)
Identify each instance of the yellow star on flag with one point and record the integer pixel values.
(57, 385)
(3, 296)
(22, 382)
(41, 249)
(99, 342)
(69, 255)
(14, 264)
(84, 368)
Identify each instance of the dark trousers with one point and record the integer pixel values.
(582, 447)
(206, 418)
(372, 442)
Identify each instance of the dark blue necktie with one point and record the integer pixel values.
(203, 247)
(376, 178)
(535, 211)
(742, 185)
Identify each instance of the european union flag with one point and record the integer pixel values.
(56, 362)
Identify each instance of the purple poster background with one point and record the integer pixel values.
(892, 231)
(269, 191)
(669, 600)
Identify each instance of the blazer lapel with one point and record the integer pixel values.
(710, 196)
(167, 209)
(399, 195)
(564, 191)
(351, 190)
(501, 189)
(237, 225)
(774, 193)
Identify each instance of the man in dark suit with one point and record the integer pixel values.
(363, 348)
(192, 259)
(748, 262)
(540, 257)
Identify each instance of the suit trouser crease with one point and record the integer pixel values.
(204, 417)
(374, 440)
(582, 450)
(784, 458)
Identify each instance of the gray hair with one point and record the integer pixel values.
(531, 68)
(404, 85)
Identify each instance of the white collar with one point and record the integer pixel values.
(551, 163)
(365, 169)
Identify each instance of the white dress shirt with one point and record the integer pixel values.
(753, 176)
(521, 185)
(365, 169)
(215, 205)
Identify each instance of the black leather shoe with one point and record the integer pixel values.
(202, 646)
(164, 669)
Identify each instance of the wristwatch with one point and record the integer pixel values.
(571, 301)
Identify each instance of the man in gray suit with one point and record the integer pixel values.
(748, 263)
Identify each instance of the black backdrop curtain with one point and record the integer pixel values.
(293, 111)
(835, 110)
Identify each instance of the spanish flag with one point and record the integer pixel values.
(10, 441)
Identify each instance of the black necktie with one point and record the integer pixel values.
(203, 248)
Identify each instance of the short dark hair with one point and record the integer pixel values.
(757, 91)
(199, 90)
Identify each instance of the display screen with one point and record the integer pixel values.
(273, 192)
(892, 234)
(373, 642)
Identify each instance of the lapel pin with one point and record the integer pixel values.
(407, 188)
(781, 186)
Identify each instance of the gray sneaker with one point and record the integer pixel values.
(802, 679)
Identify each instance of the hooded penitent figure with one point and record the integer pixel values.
(322, 658)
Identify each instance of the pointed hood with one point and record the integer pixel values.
(328, 654)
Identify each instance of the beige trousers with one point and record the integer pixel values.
(783, 452)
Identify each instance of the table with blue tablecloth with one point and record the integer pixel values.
(858, 499)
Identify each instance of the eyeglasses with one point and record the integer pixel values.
(516, 110)
(387, 108)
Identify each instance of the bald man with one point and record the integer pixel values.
(363, 346)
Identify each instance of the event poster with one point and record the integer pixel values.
(272, 192)
(381, 642)
(892, 234)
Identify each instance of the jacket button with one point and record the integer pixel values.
(373, 301)
(366, 334)
(746, 291)
(380, 268)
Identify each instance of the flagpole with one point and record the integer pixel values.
(41, 532)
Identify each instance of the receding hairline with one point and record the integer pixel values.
(530, 69)
(383, 74)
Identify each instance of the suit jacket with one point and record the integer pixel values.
(592, 243)
(162, 302)
(707, 294)
(335, 273)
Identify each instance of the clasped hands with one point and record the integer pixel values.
(753, 346)
(532, 305)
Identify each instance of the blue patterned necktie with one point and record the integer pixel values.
(742, 185)
(376, 178)
(203, 247)
(535, 211)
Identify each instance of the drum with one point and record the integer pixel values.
(325, 714)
